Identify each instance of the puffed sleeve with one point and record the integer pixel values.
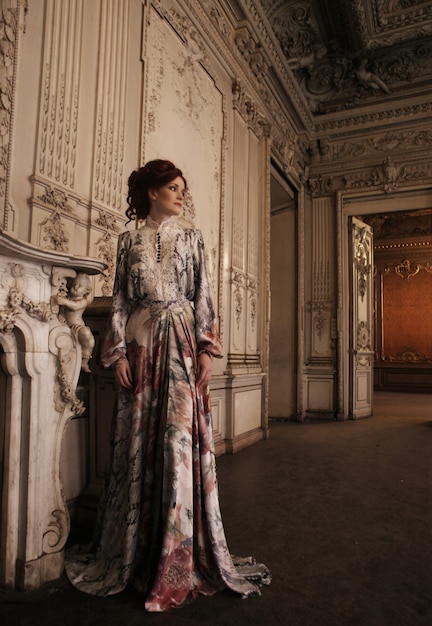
(205, 318)
(114, 343)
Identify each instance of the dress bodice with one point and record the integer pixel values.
(162, 262)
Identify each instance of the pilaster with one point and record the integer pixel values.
(320, 369)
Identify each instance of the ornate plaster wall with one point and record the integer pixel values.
(92, 89)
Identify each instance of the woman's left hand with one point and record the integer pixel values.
(205, 367)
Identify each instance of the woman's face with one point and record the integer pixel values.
(167, 200)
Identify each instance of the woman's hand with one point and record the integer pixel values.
(205, 367)
(123, 374)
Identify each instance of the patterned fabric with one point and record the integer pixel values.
(160, 525)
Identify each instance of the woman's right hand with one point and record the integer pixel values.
(123, 374)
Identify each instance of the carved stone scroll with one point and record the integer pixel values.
(41, 360)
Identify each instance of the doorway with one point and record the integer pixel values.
(283, 286)
(403, 305)
(366, 205)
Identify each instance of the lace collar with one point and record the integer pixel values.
(151, 223)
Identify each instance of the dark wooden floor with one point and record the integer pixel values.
(341, 512)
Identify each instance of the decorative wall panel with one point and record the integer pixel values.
(239, 237)
(78, 173)
(184, 121)
(247, 228)
(56, 157)
(108, 172)
(322, 260)
(403, 281)
(240, 193)
(255, 220)
(406, 313)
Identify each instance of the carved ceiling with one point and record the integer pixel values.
(400, 225)
(353, 53)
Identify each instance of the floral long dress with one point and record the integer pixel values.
(160, 525)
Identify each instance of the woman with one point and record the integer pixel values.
(160, 526)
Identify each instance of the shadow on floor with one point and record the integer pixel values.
(339, 511)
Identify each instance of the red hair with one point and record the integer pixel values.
(153, 175)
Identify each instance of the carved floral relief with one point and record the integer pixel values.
(14, 282)
(106, 252)
(320, 186)
(389, 176)
(363, 337)
(238, 281)
(319, 318)
(54, 233)
(362, 264)
(387, 143)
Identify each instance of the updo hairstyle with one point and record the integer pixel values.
(153, 175)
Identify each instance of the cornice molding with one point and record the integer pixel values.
(415, 142)
(267, 39)
(242, 55)
(389, 176)
(367, 119)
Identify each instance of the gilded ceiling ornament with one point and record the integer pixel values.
(384, 43)
(296, 30)
(369, 79)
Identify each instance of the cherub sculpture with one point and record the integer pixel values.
(73, 306)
